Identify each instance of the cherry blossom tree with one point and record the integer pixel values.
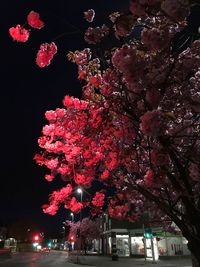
(89, 230)
(137, 127)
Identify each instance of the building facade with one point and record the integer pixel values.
(131, 241)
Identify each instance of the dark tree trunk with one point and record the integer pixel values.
(194, 247)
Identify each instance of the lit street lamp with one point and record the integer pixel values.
(80, 191)
(72, 215)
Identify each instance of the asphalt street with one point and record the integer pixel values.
(61, 259)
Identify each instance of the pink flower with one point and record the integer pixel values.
(68, 101)
(74, 205)
(39, 158)
(89, 15)
(48, 129)
(52, 163)
(83, 179)
(50, 209)
(64, 169)
(151, 123)
(118, 211)
(82, 57)
(112, 161)
(50, 115)
(34, 21)
(148, 178)
(105, 175)
(177, 9)
(49, 177)
(60, 112)
(98, 199)
(155, 39)
(45, 54)
(80, 104)
(94, 35)
(65, 191)
(95, 80)
(19, 33)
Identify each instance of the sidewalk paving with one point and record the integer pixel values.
(103, 261)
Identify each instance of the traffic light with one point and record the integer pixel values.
(49, 244)
(71, 238)
(36, 238)
(148, 233)
(78, 232)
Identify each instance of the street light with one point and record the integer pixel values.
(80, 191)
(72, 215)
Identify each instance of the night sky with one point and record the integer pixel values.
(28, 91)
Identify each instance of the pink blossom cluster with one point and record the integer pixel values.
(34, 21)
(50, 209)
(74, 205)
(89, 15)
(139, 7)
(70, 102)
(98, 199)
(46, 54)
(118, 211)
(151, 123)
(105, 175)
(59, 196)
(80, 57)
(149, 178)
(20, 33)
(86, 178)
(130, 64)
(155, 39)
(177, 9)
(95, 35)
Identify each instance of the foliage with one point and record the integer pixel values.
(89, 230)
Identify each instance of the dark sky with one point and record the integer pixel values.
(28, 91)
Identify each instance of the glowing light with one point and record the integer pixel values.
(79, 190)
(36, 237)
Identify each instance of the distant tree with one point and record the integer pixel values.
(88, 229)
(23, 230)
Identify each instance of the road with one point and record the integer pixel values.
(60, 259)
(37, 259)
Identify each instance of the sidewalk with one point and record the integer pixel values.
(103, 261)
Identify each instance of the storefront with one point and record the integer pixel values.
(11, 243)
(123, 247)
(132, 243)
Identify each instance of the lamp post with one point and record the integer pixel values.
(80, 191)
(72, 215)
